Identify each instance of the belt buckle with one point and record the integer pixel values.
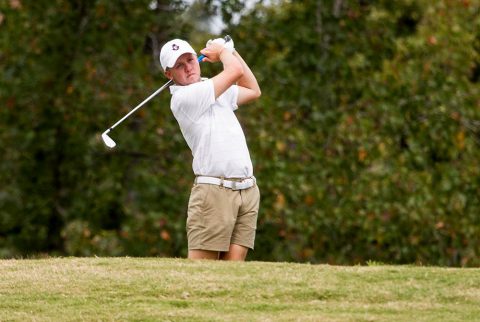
(234, 185)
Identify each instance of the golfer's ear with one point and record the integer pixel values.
(168, 74)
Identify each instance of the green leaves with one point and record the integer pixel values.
(373, 97)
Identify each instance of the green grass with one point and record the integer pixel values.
(154, 289)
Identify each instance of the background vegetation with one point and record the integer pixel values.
(365, 142)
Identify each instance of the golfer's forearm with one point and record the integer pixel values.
(248, 80)
(232, 72)
(231, 64)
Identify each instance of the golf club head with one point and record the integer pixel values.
(107, 140)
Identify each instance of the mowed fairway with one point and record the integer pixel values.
(155, 289)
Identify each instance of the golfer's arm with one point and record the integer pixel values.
(232, 73)
(248, 89)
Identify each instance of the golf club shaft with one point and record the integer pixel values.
(142, 103)
(147, 99)
(200, 58)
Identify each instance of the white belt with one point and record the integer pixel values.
(234, 185)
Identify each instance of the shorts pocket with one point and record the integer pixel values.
(196, 205)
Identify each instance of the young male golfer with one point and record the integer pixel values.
(224, 201)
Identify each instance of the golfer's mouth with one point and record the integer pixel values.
(193, 78)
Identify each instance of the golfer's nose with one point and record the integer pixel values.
(188, 67)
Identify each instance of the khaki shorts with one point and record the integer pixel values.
(219, 216)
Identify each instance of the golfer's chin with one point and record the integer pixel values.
(194, 78)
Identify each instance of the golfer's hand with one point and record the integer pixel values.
(212, 52)
(228, 45)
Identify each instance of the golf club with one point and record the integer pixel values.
(108, 140)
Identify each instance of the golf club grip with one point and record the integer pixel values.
(227, 39)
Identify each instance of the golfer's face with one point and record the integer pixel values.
(186, 70)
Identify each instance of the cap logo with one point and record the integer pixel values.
(175, 47)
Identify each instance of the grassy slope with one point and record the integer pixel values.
(178, 289)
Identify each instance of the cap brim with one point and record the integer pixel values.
(173, 59)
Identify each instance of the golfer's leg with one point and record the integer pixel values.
(202, 254)
(235, 253)
(243, 236)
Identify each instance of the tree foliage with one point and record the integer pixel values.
(367, 137)
(69, 70)
(365, 141)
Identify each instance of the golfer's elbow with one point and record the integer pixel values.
(254, 94)
(252, 83)
(257, 93)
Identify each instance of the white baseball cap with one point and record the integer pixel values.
(172, 50)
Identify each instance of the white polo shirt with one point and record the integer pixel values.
(212, 130)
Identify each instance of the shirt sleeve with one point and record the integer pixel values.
(193, 100)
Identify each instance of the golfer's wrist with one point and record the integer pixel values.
(226, 51)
